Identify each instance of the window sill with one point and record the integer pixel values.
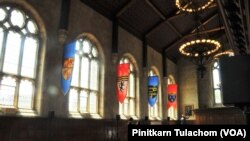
(84, 115)
(123, 117)
(155, 118)
(9, 111)
(27, 113)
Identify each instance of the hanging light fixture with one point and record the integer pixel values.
(200, 49)
(193, 5)
(224, 53)
(200, 52)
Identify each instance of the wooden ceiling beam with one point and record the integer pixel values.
(159, 24)
(156, 10)
(124, 8)
(205, 31)
(205, 22)
(171, 45)
(163, 17)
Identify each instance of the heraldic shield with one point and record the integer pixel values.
(67, 68)
(153, 83)
(172, 95)
(123, 71)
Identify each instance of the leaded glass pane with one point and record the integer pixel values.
(217, 95)
(94, 52)
(83, 101)
(86, 46)
(131, 67)
(12, 52)
(6, 25)
(131, 85)
(25, 94)
(216, 83)
(93, 102)
(73, 100)
(17, 18)
(31, 26)
(76, 68)
(132, 107)
(7, 91)
(78, 43)
(125, 107)
(125, 60)
(29, 57)
(2, 14)
(121, 112)
(1, 40)
(94, 75)
(216, 78)
(155, 111)
(85, 73)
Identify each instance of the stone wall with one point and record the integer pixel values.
(84, 20)
(188, 94)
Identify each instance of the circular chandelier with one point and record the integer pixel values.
(224, 53)
(199, 47)
(197, 6)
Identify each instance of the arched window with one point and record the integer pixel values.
(154, 112)
(216, 82)
(84, 93)
(128, 107)
(19, 51)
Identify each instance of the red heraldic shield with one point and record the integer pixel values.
(122, 81)
(172, 95)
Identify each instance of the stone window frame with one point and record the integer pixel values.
(100, 96)
(135, 71)
(33, 15)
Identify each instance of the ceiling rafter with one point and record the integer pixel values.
(163, 17)
(124, 9)
(118, 10)
(159, 24)
(205, 31)
(202, 25)
(132, 30)
(171, 45)
(226, 24)
(205, 22)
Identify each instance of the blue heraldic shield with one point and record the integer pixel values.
(67, 68)
(153, 83)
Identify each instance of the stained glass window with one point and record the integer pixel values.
(127, 108)
(85, 89)
(216, 83)
(19, 46)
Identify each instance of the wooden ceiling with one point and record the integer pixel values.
(161, 23)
